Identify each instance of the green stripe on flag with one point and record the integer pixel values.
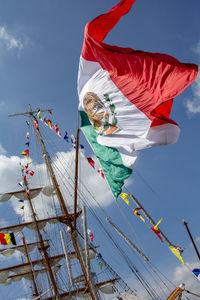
(110, 159)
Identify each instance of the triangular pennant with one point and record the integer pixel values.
(124, 197)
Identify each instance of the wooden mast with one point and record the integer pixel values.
(43, 247)
(29, 261)
(66, 218)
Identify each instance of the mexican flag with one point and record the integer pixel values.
(126, 97)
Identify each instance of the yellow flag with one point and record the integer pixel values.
(7, 237)
(124, 197)
(38, 114)
(156, 226)
(177, 253)
(136, 213)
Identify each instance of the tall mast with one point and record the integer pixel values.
(43, 247)
(66, 218)
(29, 261)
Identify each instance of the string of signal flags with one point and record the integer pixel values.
(55, 127)
(177, 251)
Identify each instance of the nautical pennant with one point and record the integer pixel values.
(175, 250)
(38, 114)
(124, 197)
(36, 124)
(25, 153)
(156, 230)
(44, 120)
(91, 161)
(100, 265)
(7, 239)
(73, 140)
(27, 165)
(98, 256)
(91, 236)
(25, 180)
(21, 184)
(57, 130)
(100, 171)
(136, 213)
(66, 138)
(50, 124)
(30, 172)
(196, 273)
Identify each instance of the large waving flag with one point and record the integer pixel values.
(126, 97)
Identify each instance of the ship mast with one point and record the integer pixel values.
(66, 219)
(43, 247)
(29, 261)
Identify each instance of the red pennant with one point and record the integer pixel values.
(26, 152)
(157, 232)
(25, 180)
(30, 172)
(91, 236)
(91, 162)
(100, 171)
(50, 124)
(36, 124)
(57, 130)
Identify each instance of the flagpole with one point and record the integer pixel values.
(195, 247)
(150, 219)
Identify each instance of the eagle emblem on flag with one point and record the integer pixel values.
(101, 113)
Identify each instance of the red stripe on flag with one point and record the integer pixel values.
(148, 80)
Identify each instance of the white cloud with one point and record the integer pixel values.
(183, 274)
(9, 40)
(197, 48)
(193, 105)
(93, 188)
(90, 188)
(2, 150)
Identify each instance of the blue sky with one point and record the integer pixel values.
(40, 46)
